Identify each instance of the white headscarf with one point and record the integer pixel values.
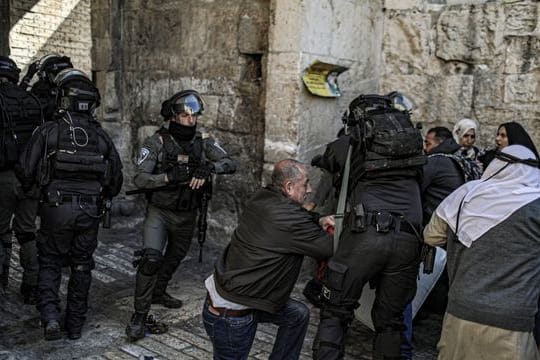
(462, 126)
(503, 189)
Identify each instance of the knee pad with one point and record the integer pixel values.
(82, 265)
(85, 268)
(333, 284)
(151, 262)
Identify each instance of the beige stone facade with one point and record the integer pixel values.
(50, 26)
(469, 58)
(476, 59)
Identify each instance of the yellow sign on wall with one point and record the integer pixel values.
(321, 79)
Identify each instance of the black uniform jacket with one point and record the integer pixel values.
(262, 262)
(442, 176)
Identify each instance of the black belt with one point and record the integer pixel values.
(81, 199)
(396, 223)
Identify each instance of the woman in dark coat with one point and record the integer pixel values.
(510, 133)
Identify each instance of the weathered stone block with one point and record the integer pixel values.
(402, 4)
(522, 88)
(471, 34)
(145, 131)
(521, 18)
(278, 150)
(253, 27)
(522, 54)
(409, 44)
(488, 89)
(285, 32)
(209, 118)
(101, 54)
(357, 30)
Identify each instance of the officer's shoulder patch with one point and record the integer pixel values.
(143, 154)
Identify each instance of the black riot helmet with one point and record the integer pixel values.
(186, 101)
(50, 65)
(9, 69)
(76, 92)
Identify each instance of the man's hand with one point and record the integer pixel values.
(327, 221)
(200, 175)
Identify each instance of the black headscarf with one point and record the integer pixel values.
(517, 135)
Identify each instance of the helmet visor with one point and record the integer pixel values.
(401, 101)
(190, 105)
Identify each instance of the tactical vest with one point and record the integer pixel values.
(20, 114)
(77, 155)
(387, 143)
(186, 198)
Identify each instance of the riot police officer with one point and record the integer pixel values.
(20, 114)
(76, 166)
(47, 67)
(182, 159)
(380, 240)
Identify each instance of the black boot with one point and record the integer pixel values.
(52, 330)
(167, 301)
(136, 329)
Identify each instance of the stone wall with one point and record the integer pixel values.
(149, 50)
(469, 58)
(477, 59)
(40, 27)
(342, 32)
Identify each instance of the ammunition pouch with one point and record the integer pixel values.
(92, 165)
(333, 285)
(313, 292)
(53, 198)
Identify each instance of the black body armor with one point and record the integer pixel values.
(20, 114)
(78, 156)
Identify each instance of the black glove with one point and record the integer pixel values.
(316, 161)
(203, 171)
(194, 162)
(33, 68)
(178, 173)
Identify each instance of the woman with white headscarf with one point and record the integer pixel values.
(493, 260)
(465, 133)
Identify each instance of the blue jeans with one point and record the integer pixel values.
(232, 337)
(407, 347)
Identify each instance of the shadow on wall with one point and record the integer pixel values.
(39, 27)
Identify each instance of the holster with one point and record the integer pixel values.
(313, 292)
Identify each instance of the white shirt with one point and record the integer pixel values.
(217, 300)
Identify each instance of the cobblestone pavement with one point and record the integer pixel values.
(110, 306)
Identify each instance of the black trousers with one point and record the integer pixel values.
(389, 261)
(169, 232)
(67, 237)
